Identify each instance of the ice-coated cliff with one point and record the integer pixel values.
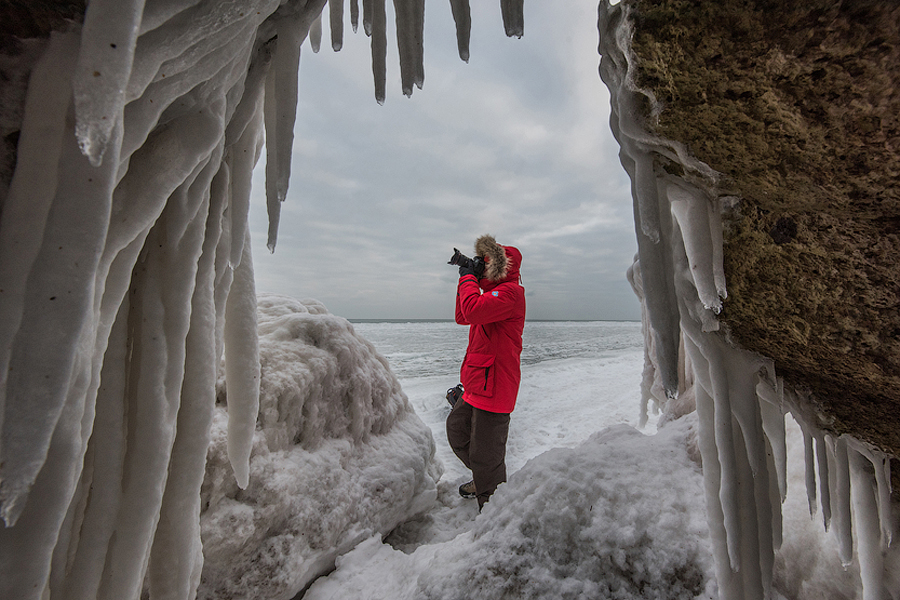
(681, 205)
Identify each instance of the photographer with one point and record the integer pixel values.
(491, 301)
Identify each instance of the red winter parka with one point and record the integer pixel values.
(490, 372)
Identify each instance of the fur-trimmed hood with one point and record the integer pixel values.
(504, 260)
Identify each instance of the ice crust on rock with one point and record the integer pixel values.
(740, 400)
(339, 455)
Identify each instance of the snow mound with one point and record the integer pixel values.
(621, 516)
(338, 455)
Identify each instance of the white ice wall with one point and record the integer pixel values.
(741, 401)
(125, 273)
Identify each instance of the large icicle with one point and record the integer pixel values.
(462, 16)
(176, 556)
(109, 36)
(513, 13)
(375, 25)
(336, 21)
(57, 317)
(281, 110)
(410, 15)
(32, 189)
(865, 510)
(242, 366)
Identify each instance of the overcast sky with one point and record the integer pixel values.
(515, 143)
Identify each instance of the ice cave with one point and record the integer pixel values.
(130, 130)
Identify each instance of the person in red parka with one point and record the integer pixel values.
(493, 306)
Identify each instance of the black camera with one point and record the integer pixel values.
(476, 264)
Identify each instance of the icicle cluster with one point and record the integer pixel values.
(740, 400)
(125, 274)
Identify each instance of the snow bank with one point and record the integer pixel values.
(338, 455)
(620, 516)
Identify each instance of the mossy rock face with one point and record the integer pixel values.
(798, 106)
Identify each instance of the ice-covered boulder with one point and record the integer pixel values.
(338, 455)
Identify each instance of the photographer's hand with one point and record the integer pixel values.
(466, 270)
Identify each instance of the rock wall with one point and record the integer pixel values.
(760, 142)
(797, 106)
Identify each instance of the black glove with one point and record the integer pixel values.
(454, 394)
(466, 270)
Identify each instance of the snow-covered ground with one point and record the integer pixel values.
(348, 470)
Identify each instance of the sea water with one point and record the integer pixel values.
(426, 348)
(578, 377)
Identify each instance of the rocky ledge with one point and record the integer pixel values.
(797, 105)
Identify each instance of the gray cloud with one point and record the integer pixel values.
(515, 143)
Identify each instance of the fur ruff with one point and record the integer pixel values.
(498, 267)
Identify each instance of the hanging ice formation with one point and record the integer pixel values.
(125, 273)
(740, 400)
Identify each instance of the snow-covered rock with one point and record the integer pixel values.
(338, 455)
(620, 516)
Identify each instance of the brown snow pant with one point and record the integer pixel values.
(478, 438)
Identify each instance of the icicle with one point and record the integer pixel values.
(729, 583)
(368, 16)
(315, 35)
(868, 530)
(633, 274)
(281, 112)
(755, 529)
(661, 303)
(159, 325)
(718, 248)
(462, 16)
(33, 186)
(810, 459)
(176, 556)
(772, 412)
(646, 191)
(742, 370)
(241, 366)
(410, 16)
(27, 547)
(336, 14)
(354, 15)
(57, 318)
(375, 25)
(513, 17)
(881, 466)
(826, 473)
(691, 209)
(109, 35)
(107, 445)
(244, 135)
(839, 482)
(775, 501)
(729, 493)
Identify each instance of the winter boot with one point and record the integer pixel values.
(467, 490)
